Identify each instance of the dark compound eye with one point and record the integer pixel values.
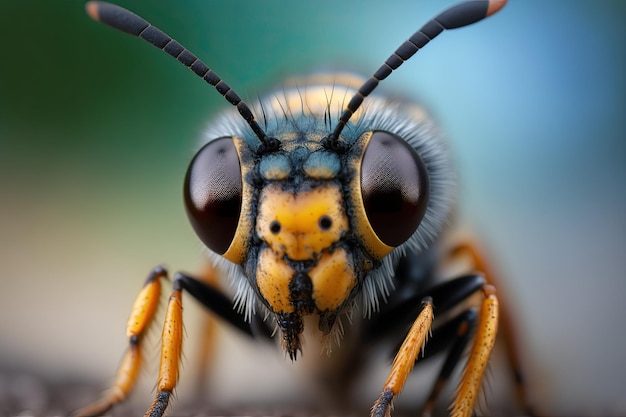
(394, 186)
(213, 193)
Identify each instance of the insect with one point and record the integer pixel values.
(328, 212)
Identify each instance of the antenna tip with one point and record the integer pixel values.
(495, 6)
(92, 9)
(115, 16)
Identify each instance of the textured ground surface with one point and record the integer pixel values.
(24, 395)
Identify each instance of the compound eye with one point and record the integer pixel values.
(213, 193)
(394, 187)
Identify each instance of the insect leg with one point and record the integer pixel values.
(171, 338)
(454, 334)
(223, 306)
(404, 360)
(457, 332)
(507, 325)
(398, 313)
(171, 348)
(471, 381)
(142, 315)
(211, 297)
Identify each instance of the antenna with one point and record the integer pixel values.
(457, 16)
(128, 22)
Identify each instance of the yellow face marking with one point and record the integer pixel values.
(333, 279)
(301, 225)
(272, 277)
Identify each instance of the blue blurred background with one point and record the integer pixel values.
(97, 128)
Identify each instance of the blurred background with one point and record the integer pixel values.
(97, 129)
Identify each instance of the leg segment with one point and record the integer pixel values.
(404, 360)
(453, 335)
(171, 348)
(467, 392)
(507, 327)
(172, 336)
(142, 315)
(457, 332)
(398, 314)
(222, 306)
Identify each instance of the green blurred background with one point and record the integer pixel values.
(97, 129)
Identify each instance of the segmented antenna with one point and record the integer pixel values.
(462, 14)
(128, 22)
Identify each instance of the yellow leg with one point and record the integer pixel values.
(171, 348)
(462, 333)
(507, 325)
(467, 392)
(141, 316)
(404, 361)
